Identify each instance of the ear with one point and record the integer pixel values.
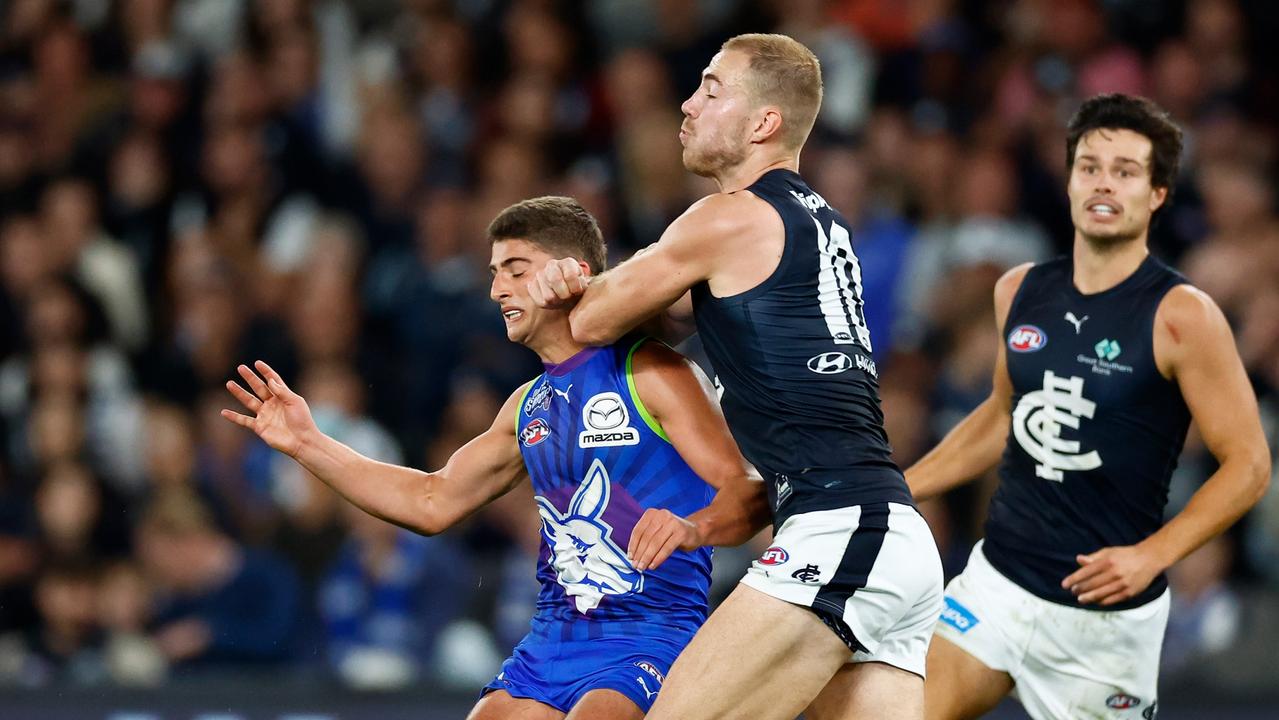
(1157, 197)
(586, 269)
(768, 125)
(550, 516)
(592, 497)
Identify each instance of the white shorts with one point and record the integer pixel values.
(1065, 662)
(874, 567)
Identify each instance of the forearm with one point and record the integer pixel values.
(598, 319)
(968, 451)
(393, 493)
(1231, 491)
(736, 515)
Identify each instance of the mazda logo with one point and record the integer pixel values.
(605, 413)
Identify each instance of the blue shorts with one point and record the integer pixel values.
(560, 673)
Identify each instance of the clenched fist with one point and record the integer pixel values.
(559, 283)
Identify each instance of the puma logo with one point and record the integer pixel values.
(1077, 322)
(564, 393)
(648, 694)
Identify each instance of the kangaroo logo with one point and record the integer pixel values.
(588, 564)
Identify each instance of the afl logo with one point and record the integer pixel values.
(535, 432)
(774, 556)
(830, 363)
(1121, 701)
(1026, 338)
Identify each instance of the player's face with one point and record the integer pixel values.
(716, 128)
(513, 265)
(1111, 198)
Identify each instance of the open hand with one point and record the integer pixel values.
(280, 416)
(559, 283)
(659, 533)
(1112, 575)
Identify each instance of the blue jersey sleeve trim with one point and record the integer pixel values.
(519, 407)
(649, 420)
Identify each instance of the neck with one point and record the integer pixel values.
(555, 345)
(1101, 266)
(744, 174)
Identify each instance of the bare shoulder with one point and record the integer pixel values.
(1186, 312)
(659, 369)
(729, 214)
(510, 408)
(1006, 289)
(654, 357)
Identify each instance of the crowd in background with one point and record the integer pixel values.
(186, 185)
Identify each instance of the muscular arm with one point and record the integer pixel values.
(681, 399)
(718, 236)
(975, 445)
(1193, 341)
(429, 503)
(1195, 348)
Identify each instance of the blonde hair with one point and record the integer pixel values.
(784, 73)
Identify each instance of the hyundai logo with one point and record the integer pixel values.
(830, 363)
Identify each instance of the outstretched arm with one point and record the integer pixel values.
(428, 503)
(975, 445)
(682, 401)
(1195, 348)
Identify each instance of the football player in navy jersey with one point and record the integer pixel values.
(634, 471)
(1107, 355)
(835, 619)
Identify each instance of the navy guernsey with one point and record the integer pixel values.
(1096, 429)
(793, 359)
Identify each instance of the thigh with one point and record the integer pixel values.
(605, 705)
(501, 705)
(870, 690)
(960, 686)
(756, 657)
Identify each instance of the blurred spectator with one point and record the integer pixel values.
(124, 611)
(220, 604)
(65, 646)
(1205, 614)
(386, 600)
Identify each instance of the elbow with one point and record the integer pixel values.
(1260, 476)
(588, 331)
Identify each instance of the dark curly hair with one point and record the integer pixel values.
(1116, 111)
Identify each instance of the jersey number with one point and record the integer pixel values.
(839, 287)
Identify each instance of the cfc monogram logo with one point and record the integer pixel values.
(1039, 418)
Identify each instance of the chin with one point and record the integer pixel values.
(696, 165)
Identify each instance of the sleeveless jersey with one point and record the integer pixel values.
(597, 460)
(1096, 429)
(793, 359)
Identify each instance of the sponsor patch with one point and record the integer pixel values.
(535, 432)
(830, 363)
(1122, 701)
(958, 616)
(774, 556)
(607, 422)
(538, 399)
(1026, 338)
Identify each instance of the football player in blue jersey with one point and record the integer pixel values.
(1106, 356)
(634, 471)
